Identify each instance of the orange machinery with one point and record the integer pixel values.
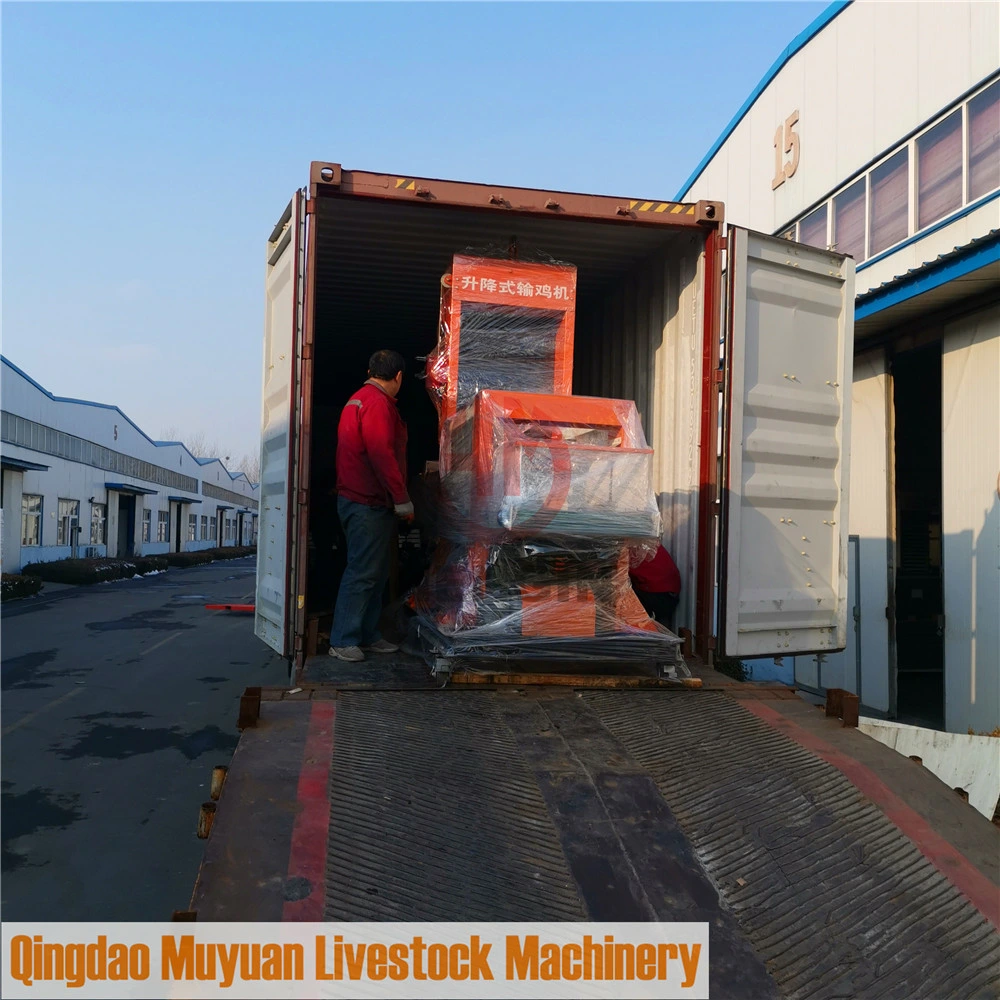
(543, 491)
(573, 471)
(504, 325)
(537, 464)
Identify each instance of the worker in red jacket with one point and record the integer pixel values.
(371, 494)
(657, 584)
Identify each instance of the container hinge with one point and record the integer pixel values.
(303, 498)
(720, 377)
(307, 352)
(723, 243)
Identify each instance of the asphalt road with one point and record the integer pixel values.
(118, 699)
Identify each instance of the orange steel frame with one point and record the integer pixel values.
(553, 610)
(538, 408)
(507, 283)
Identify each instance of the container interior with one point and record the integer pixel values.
(639, 331)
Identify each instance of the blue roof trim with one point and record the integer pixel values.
(835, 8)
(109, 406)
(916, 237)
(963, 261)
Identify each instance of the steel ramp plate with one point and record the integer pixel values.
(553, 804)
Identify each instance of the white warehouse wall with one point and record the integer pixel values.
(971, 521)
(107, 427)
(871, 76)
(869, 520)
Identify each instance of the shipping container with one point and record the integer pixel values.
(736, 346)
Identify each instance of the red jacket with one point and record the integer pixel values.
(371, 449)
(658, 575)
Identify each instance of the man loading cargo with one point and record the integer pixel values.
(657, 584)
(371, 493)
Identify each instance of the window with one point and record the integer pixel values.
(98, 524)
(31, 519)
(849, 221)
(147, 525)
(984, 141)
(192, 527)
(69, 521)
(162, 526)
(939, 170)
(812, 229)
(890, 202)
(213, 527)
(229, 530)
(204, 527)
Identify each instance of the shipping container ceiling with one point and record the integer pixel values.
(380, 264)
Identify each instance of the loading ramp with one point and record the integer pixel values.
(826, 865)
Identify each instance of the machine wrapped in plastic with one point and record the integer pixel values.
(503, 325)
(543, 497)
(545, 465)
(527, 600)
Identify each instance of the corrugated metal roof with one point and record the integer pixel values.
(953, 254)
(968, 273)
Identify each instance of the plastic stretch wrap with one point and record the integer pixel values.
(572, 467)
(533, 600)
(540, 498)
(503, 325)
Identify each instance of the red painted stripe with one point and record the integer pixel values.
(969, 880)
(307, 857)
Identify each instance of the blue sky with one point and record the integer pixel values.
(149, 148)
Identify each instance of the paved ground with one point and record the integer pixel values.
(118, 699)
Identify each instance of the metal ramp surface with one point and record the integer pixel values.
(556, 804)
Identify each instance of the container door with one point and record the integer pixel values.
(820, 671)
(282, 325)
(784, 562)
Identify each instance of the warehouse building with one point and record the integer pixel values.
(877, 133)
(82, 480)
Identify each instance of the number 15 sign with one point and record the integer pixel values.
(786, 141)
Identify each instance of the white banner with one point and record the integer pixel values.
(316, 961)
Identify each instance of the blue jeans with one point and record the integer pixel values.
(359, 600)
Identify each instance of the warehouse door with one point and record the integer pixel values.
(126, 525)
(784, 561)
(916, 390)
